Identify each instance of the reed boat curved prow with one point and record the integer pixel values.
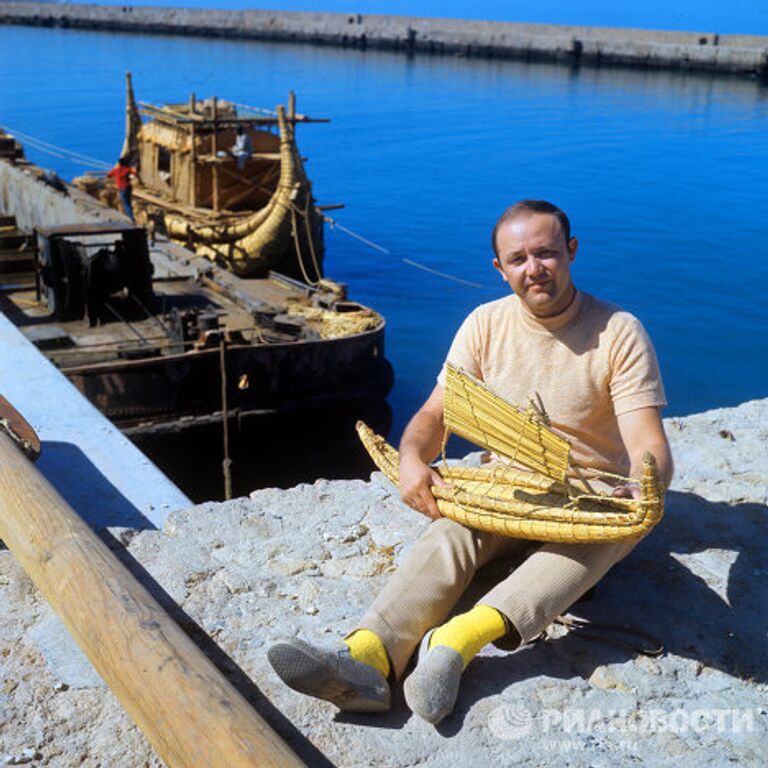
(549, 499)
(250, 213)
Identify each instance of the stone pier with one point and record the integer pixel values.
(744, 55)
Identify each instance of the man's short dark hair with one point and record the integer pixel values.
(532, 206)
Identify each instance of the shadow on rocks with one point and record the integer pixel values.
(226, 665)
(697, 583)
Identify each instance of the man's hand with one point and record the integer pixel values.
(420, 444)
(628, 491)
(416, 477)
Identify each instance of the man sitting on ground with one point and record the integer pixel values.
(595, 370)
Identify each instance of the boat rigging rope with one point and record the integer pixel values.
(297, 246)
(56, 151)
(310, 240)
(255, 110)
(304, 213)
(410, 262)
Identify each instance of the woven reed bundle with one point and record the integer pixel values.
(167, 136)
(543, 506)
(335, 325)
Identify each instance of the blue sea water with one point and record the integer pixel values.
(663, 175)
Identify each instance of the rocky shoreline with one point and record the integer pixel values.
(307, 560)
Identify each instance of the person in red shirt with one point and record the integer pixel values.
(122, 173)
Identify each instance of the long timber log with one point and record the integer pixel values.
(191, 714)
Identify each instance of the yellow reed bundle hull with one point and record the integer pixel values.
(530, 506)
(264, 239)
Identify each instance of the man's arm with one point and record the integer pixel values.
(419, 446)
(641, 430)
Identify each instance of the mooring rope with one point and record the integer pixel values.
(406, 260)
(226, 463)
(55, 150)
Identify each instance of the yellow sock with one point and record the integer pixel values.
(366, 646)
(468, 632)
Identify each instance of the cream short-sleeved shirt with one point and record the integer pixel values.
(588, 365)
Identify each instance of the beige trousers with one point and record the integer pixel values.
(441, 565)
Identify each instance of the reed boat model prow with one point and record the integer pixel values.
(542, 493)
(225, 180)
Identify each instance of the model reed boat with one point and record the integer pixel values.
(548, 498)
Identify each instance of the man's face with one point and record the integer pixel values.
(535, 261)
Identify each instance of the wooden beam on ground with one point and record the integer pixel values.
(188, 710)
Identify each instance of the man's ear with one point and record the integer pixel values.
(497, 267)
(573, 246)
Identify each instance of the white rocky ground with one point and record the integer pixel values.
(309, 559)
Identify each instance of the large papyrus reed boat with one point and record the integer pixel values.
(250, 211)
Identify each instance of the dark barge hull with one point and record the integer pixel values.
(172, 392)
(169, 381)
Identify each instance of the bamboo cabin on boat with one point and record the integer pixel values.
(228, 182)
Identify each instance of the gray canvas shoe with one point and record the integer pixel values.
(330, 673)
(432, 688)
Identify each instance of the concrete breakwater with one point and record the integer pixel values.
(745, 55)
